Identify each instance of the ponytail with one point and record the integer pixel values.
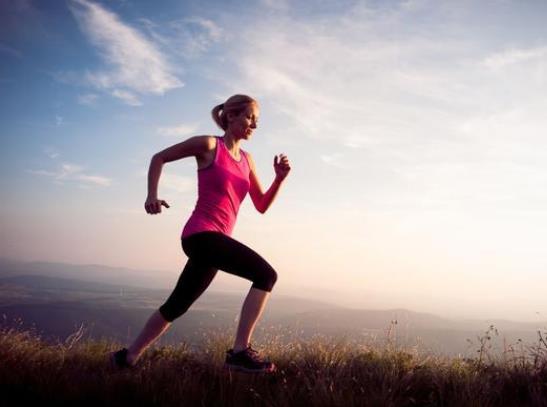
(219, 117)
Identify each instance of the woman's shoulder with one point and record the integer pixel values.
(207, 142)
(248, 157)
(245, 153)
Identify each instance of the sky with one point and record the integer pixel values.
(415, 131)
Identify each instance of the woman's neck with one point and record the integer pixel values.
(232, 143)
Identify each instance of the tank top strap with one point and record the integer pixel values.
(217, 149)
(244, 159)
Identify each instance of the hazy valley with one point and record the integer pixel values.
(55, 300)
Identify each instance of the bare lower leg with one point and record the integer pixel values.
(250, 313)
(154, 328)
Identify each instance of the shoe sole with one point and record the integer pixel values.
(112, 361)
(235, 368)
(114, 365)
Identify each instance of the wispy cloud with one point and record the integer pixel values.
(199, 34)
(189, 37)
(181, 130)
(136, 66)
(177, 183)
(88, 99)
(513, 56)
(173, 182)
(355, 81)
(334, 160)
(59, 120)
(4, 49)
(73, 172)
(126, 96)
(398, 102)
(276, 4)
(51, 152)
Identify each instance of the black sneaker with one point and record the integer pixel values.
(249, 361)
(119, 359)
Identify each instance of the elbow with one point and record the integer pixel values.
(157, 158)
(259, 204)
(261, 208)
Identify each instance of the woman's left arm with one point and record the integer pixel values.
(263, 200)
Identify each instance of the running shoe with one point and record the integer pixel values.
(119, 359)
(248, 360)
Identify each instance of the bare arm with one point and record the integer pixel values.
(195, 146)
(262, 200)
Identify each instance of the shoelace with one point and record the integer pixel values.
(253, 354)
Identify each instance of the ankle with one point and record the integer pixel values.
(131, 358)
(239, 347)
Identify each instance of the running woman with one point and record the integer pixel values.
(226, 173)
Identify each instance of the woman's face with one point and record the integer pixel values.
(242, 125)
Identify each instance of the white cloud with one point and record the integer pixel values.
(95, 179)
(351, 81)
(173, 182)
(73, 172)
(136, 66)
(513, 56)
(42, 172)
(128, 97)
(177, 183)
(10, 51)
(88, 99)
(282, 5)
(181, 130)
(196, 35)
(51, 152)
(408, 107)
(59, 121)
(189, 37)
(334, 160)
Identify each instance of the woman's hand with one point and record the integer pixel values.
(153, 205)
(281, 167)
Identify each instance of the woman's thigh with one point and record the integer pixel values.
(193, 281)
(225, 253)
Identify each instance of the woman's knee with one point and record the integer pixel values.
(170, 311)
(266, 280)
(273, 277)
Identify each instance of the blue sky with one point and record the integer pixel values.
(415, 131)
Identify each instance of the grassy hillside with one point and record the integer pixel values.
(318, 372)
(117, 312)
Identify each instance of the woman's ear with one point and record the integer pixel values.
(230, 117)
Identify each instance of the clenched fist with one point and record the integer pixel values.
(281, 167)
(153, 205)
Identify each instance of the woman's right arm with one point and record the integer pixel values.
(195, 146)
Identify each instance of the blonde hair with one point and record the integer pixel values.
(234, 104)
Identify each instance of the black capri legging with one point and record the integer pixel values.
(207, 253)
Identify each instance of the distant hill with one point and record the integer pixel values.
(56, 302)
(90, 272)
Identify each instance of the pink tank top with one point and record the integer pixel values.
(222, 186)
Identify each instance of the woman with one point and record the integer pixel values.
(225, 174)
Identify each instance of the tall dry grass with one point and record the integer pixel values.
(317, 372)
